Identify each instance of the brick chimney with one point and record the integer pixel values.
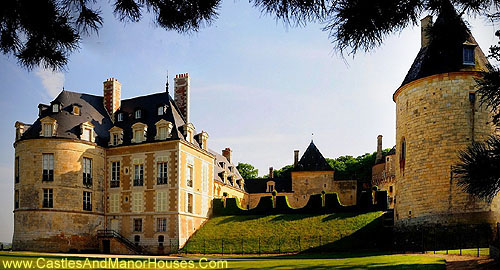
(271, 172)
(181, 94)
(228, 154)
(378, 157)
(425, 23)
(112, 95)
(295, 158)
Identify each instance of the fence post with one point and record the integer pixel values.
(422, 240)
(320, 240)
(222, 246)
(242, 251)
(204, 247)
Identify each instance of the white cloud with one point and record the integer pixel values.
(53, 82)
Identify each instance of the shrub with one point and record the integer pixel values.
(225, 194)
(274, 193)
(314, 205)
(218, 207)
(365, 200)
(374, 188)
(283, 206)
(233, 207)
(265, 206)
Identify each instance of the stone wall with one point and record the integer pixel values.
(436, 119)
(66, 226)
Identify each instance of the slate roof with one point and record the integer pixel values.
(312, 160)
(92, 110)
(259, 185)
(149, 115)
(68, 124)
(444, 53)
(233, 172)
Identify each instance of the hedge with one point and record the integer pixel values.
(314, 205)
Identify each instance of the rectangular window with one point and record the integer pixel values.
(163, 133)
(87, 134)
(137, 202)
(16, 199)
(160, 110)
(115, 174)
(190, 203)
(87, 201)
(139, 135)
(469, 55)
(48, 198)
(204, 178)
(114, 203)
(161, 225)
(189, 176)
(16, 168)
(115, 139)
(87, 172)
(162, 173)
(138, 175)
(137, 224)
(48, 167)
(120, 117)
(47, 130)
(161, 201)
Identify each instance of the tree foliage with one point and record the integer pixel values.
(46, 32)
(247, 171)
(478, 171)
(345, 167)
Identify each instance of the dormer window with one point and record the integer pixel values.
(139, 132)
(119, 117)
(161, 110)
(87, 132)
(55, 108)
(163, 129)
(49, 126)
(138, 114)
(116, 136)
(47, 130)
(270, 186)
(468, 56)
(76, 109)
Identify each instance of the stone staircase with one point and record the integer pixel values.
(110, 241)
(388, 218)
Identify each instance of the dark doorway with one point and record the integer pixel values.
(106, 246)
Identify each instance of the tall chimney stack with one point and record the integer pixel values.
(181, 94)
(112, 95)
(425, 23)
(271, 172)
(228, 154)
(378, 157)
(295, 158)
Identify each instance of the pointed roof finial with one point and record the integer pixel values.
(312, 137)
(166, 85)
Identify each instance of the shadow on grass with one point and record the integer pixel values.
(340, 216)
(372, 237)
(241, 218)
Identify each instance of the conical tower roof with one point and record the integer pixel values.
(312, 160)
(445, 50)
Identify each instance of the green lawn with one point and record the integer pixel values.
(284, 233)
(391, 262)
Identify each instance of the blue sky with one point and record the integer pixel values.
(257, 86)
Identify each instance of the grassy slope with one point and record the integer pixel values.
(280, 233)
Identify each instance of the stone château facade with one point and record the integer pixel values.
(135, 166)
(438, 114)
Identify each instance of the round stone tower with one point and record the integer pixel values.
(438, 113)
(60, 174)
